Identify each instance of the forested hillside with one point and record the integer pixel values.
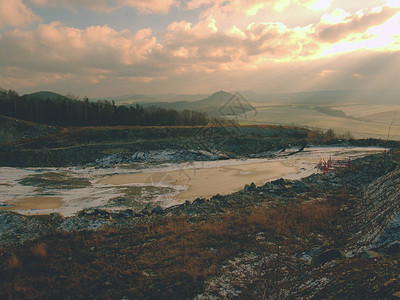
(63, 111)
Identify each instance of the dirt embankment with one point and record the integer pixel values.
(78, 146)
(115, 145)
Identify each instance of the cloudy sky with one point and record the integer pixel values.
(115, 47)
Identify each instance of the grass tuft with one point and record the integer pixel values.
(13, 262)
(39, 250)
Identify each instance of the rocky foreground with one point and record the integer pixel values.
(326, 236)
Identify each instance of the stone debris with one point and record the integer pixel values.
(160, 156)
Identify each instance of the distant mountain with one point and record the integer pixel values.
(128, 99)
(179, 97)
(141, 98)
(219, 103)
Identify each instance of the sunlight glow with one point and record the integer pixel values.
(281, 5)
(385, 35)
(253, 10)
(321, 4)
(393, 3)
(337, 16)
(381, 38)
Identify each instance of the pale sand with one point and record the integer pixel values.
(34, 203)
(209, 181)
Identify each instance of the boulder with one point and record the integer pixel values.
(250, 188)
(327, 256)
(95, 212)
(218, 197)
(128, 212)
(393, 248)
(300, 187)
(367, 254)
(157, 210)
(146, 210)
(198, 201)
(280, 182)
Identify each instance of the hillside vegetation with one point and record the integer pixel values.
(12, 130)
(84, 145)
(52, 109)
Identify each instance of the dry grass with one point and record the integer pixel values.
(167, 258)
(295, 219)
(13, 262)
(290, 220)
(39, 250)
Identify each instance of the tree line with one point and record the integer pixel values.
(75, 112)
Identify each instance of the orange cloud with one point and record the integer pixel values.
(15, 13)
(185, 46)
(55, 47)
(325, 73)
(252, 7)
(100, 54)
(204, 45)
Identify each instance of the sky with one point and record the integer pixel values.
(105, 48)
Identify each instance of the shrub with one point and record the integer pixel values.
(39, 250)
(13, 262)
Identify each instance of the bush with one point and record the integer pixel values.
(40, 250)
(330, 134)
(13, 262)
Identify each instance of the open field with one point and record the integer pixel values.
(363, 121)
(365, 110)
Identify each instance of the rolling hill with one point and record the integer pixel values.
(46, 95)
(218, 104)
